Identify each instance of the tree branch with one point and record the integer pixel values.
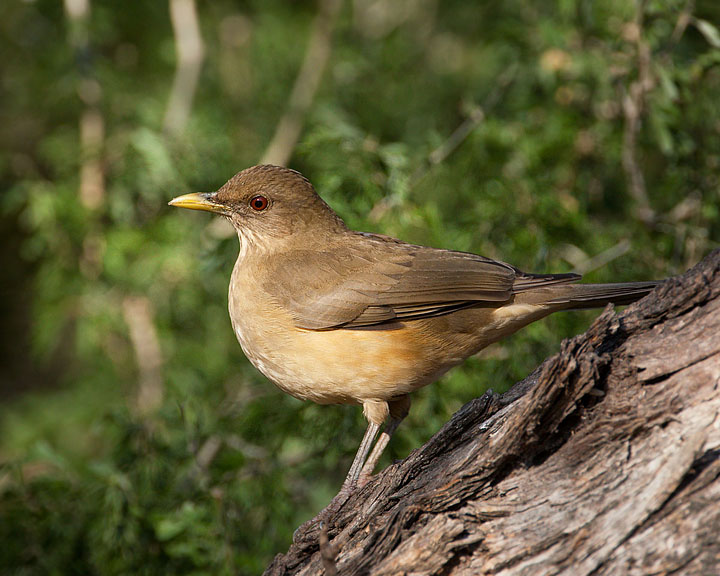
(139, 315)
(307, 82)
(190, 54)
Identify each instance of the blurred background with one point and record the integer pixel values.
(135, 438)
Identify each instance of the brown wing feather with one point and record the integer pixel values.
(379, 280)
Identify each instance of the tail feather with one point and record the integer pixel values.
(579, 296)
(524, 281)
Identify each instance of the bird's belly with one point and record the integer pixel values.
(340, 366)
(350, 366)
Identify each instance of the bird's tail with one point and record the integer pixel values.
(579, 296)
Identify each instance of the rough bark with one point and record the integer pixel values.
(606, 460)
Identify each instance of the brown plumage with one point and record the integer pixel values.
(337, 316)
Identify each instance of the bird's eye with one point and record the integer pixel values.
(258, 203)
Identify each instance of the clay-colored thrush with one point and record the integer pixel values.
(343, 317)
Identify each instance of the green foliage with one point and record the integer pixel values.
(499, 128)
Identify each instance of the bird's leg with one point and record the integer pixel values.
(351, 480)
(399, 408)
(375, 412)
(360, 456)
(379, 448)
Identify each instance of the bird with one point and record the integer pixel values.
(336, 316)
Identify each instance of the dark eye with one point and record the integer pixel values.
(258, 203)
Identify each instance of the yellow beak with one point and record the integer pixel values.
(199, 201)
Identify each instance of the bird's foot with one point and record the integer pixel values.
(363, 479)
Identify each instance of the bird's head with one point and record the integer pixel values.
(265, 202)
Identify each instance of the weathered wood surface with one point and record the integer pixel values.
(606, 460)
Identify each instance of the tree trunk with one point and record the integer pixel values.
(605, 460)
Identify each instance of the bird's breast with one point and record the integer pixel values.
(328, 366)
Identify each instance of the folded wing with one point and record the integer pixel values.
(381, 280)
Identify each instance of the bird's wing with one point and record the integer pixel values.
(382, 280)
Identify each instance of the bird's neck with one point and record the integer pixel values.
(254, 245)
(261, 246)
